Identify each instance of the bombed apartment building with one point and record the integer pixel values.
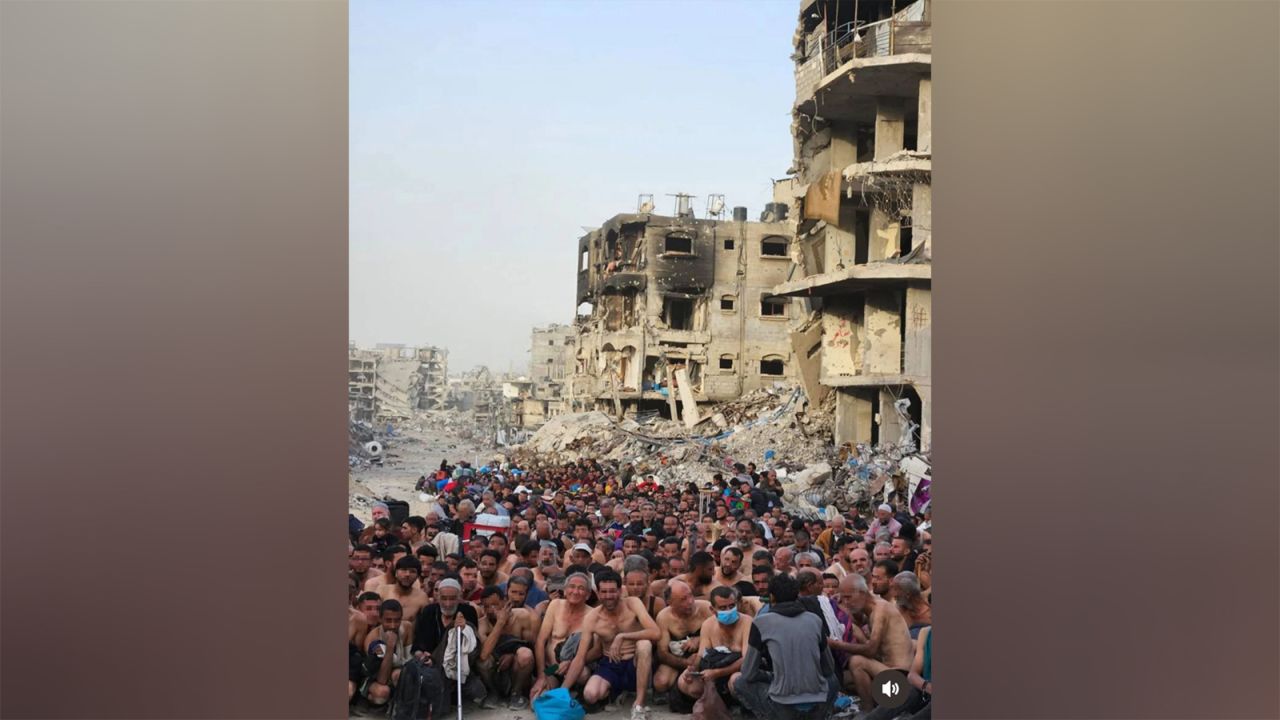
(542, 394)
(678, 311)
(860, 185)
(391, 382)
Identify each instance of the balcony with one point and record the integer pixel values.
(903, 39)
(856, 278)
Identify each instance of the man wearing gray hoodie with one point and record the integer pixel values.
(786, 674)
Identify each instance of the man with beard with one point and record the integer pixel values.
(701, 574)
(901, 552)
(414, 531)
(507, 633)
(679, 626)
(625, 633)
(888, 643)
(884, 521)
(882, 551)
(390, 557)
(469, 571)
(911, 603)
(860, 561)
(727, 630)
(548, 562)
(360, 563)
(782, 561)
(521, 590)
(405, 589)
(488, 566)
(729, 573)
(559, 637)
(747, 536)
(431, 634)
(881, 580)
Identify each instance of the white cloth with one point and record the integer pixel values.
(446, 543)
(451, 660)
(834, 628)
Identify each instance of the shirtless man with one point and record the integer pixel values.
(887, 646)
(782, 561)
(405, 589)
(489, 574)
(680, 623)
(881, 579)
(625, 634)
(860, 561)
(507, 634)
(843, 565)
(729, 573)
(387, 647)
(725, 628)
(562, 621)
(361, 616)
(701, 574)
(635, 583)
(911, 603)
(382, 567)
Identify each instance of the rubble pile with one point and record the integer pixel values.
(772, 427)
(769, 427)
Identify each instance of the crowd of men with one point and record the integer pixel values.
(606, 582)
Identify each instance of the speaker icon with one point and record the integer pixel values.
(890, 688)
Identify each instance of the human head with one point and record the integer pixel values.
(730, 560)
(369, 604)
(669, 547)
(488, 565)
(853, 593)
(518, 587)
(830, 585)
(609, 590)
(407, 571)
(492, 600)
(899, 548)
(361, 559)
(449, 595)
(469, 570)
(724, 600)
(702, 566)
(783, 588)
(414, 527)
(906, 589)
(884, 513)
(760, 577)
(782, 560)
(630, 545)
(679, 597)
(883, 551)
(390, 613)
(577, 588)
(810, 583)
(805, 560)
(637, 581)
(861, 561)
(882, 575)
(378, 511)
(746, 535)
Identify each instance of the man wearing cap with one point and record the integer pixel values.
(431, 632)
(884, 521)
(579, 554)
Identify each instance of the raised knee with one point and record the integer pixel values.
(524, 657)
(379, 693)
(644, 647)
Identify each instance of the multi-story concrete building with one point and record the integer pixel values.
(680, 308)
(860, 183)
(434, 369)
(551, 356)
(362, 376)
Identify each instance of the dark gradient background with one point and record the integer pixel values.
(173, 181)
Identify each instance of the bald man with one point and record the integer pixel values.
(679, 625)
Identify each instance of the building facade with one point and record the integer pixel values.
(861, 221)
(676, 312)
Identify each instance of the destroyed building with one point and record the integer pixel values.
(530, 400)
(861, 188)
(362, 373)
(680, 309)
(391, 382)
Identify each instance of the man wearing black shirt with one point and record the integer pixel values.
(430, 633)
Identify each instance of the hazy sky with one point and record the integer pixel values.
(486, 135)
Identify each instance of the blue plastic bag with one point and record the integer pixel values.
(557, 705)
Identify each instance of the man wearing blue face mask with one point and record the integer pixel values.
(722, 645)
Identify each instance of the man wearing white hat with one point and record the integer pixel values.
(884, 521)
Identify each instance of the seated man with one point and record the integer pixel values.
(794, 642)
(888, 643)
(431, 635)
(624, 631)
(362, 616)
(560, 635)
(635, 579)
(507, 633)
(387, 647)
(726, 629)
(909, 598)
(678, 626)
(404, 587)
(701, 573)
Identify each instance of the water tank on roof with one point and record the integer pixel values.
(739, 214)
